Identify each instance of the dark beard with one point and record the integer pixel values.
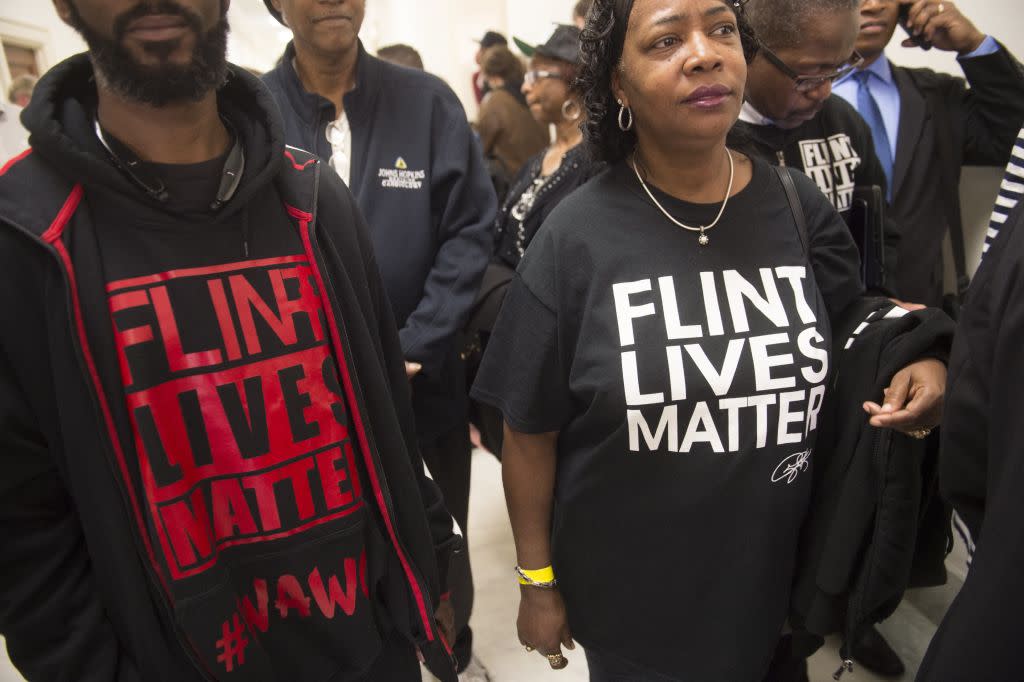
(165, 83)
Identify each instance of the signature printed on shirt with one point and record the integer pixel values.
(791, 467)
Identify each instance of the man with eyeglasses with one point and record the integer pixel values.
(790, 118)
(400, 140)
(927, 125)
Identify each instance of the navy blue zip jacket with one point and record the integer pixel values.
(89, 593)
(420, 180)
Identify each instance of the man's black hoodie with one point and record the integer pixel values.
(90, 588)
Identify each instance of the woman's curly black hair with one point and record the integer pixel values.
(600, 53)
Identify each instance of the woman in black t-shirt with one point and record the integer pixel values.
(661, 381)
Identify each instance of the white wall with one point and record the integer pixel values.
(534, 20)
(33, 20)
(443, 31)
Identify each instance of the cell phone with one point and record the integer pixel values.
(866, 220)
(904, 17)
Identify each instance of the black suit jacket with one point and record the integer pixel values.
(980, 123)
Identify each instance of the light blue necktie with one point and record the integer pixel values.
(868, 108)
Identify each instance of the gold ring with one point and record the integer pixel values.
(942, 8)
(919, 434)
(556, 661)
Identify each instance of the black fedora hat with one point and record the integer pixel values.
(564, 44)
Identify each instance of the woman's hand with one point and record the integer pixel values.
(913, 400)
(543, 625)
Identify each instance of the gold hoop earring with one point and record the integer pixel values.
(572, 105)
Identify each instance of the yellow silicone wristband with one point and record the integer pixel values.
(541, 575)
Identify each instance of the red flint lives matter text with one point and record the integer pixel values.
(236, 406)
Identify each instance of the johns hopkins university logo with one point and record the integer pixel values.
(400, 176)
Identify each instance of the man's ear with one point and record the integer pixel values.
(280, 10)
(63, 8)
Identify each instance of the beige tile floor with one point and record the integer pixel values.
(909, 630)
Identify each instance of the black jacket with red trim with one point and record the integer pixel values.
(80, 596)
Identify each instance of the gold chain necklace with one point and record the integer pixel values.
(703, 238)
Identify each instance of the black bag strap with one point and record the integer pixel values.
(947, 162)
(796, 207)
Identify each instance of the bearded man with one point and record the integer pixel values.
(210, 461)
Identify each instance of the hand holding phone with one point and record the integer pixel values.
(939, 24)
(904, 19)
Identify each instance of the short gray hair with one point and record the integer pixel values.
(782, 23)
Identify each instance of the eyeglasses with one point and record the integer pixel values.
(532, 77)
(809, 83)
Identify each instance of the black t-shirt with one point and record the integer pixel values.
(834, 149)
(685, 383)
(251, 484)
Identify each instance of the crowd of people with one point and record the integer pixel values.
(682, 273)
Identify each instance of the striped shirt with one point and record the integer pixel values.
(1010, 192)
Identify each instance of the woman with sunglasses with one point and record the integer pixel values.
(554, 173)
(790, 117)
(661, 356)
(543, 182)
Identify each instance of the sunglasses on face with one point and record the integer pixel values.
(804, 83)
(535, 75)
